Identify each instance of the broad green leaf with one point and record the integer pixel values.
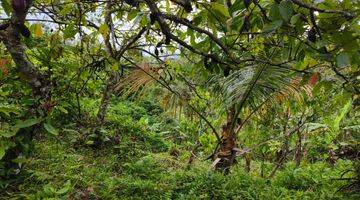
(28, 123)
(144, 21)
(66, 9)
(286, 10)
(138, 18)
(343, 111)
(272, 26)
(294, 19)
(70, 31)
(220, 9)
(199, 17)
(236, 6)
(314, 126)
(236, 23)
(343, 60)
(132, 14)
(274, 12)
(19, 160)
(50, 129)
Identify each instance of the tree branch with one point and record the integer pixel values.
(311, 7)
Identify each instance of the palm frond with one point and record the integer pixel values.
(138, 79)
(253, 85)
(145, 76)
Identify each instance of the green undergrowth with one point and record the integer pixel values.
(144, 155)
(58, 171)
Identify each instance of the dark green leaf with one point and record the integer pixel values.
(28, 123)
(286, 10)
(272, 26)
(342, 60)
(220, 9)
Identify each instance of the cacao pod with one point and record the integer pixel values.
(152, 18)
(312, 35)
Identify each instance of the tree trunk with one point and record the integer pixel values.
(226, 154)
(282, 156)
(30, 75)
(105, 100)
(298, 150)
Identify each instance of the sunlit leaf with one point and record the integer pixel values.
(104, 30)
(50, 129)
(38, 30)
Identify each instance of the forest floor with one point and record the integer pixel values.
(142, 164)
(58, 171)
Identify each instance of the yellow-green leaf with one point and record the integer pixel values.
(38, 30)
(104, 30)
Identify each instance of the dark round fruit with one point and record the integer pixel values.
(312, 35)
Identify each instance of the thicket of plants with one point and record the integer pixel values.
(179, 99)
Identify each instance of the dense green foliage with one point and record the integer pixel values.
(61, 168)
(179, 99)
